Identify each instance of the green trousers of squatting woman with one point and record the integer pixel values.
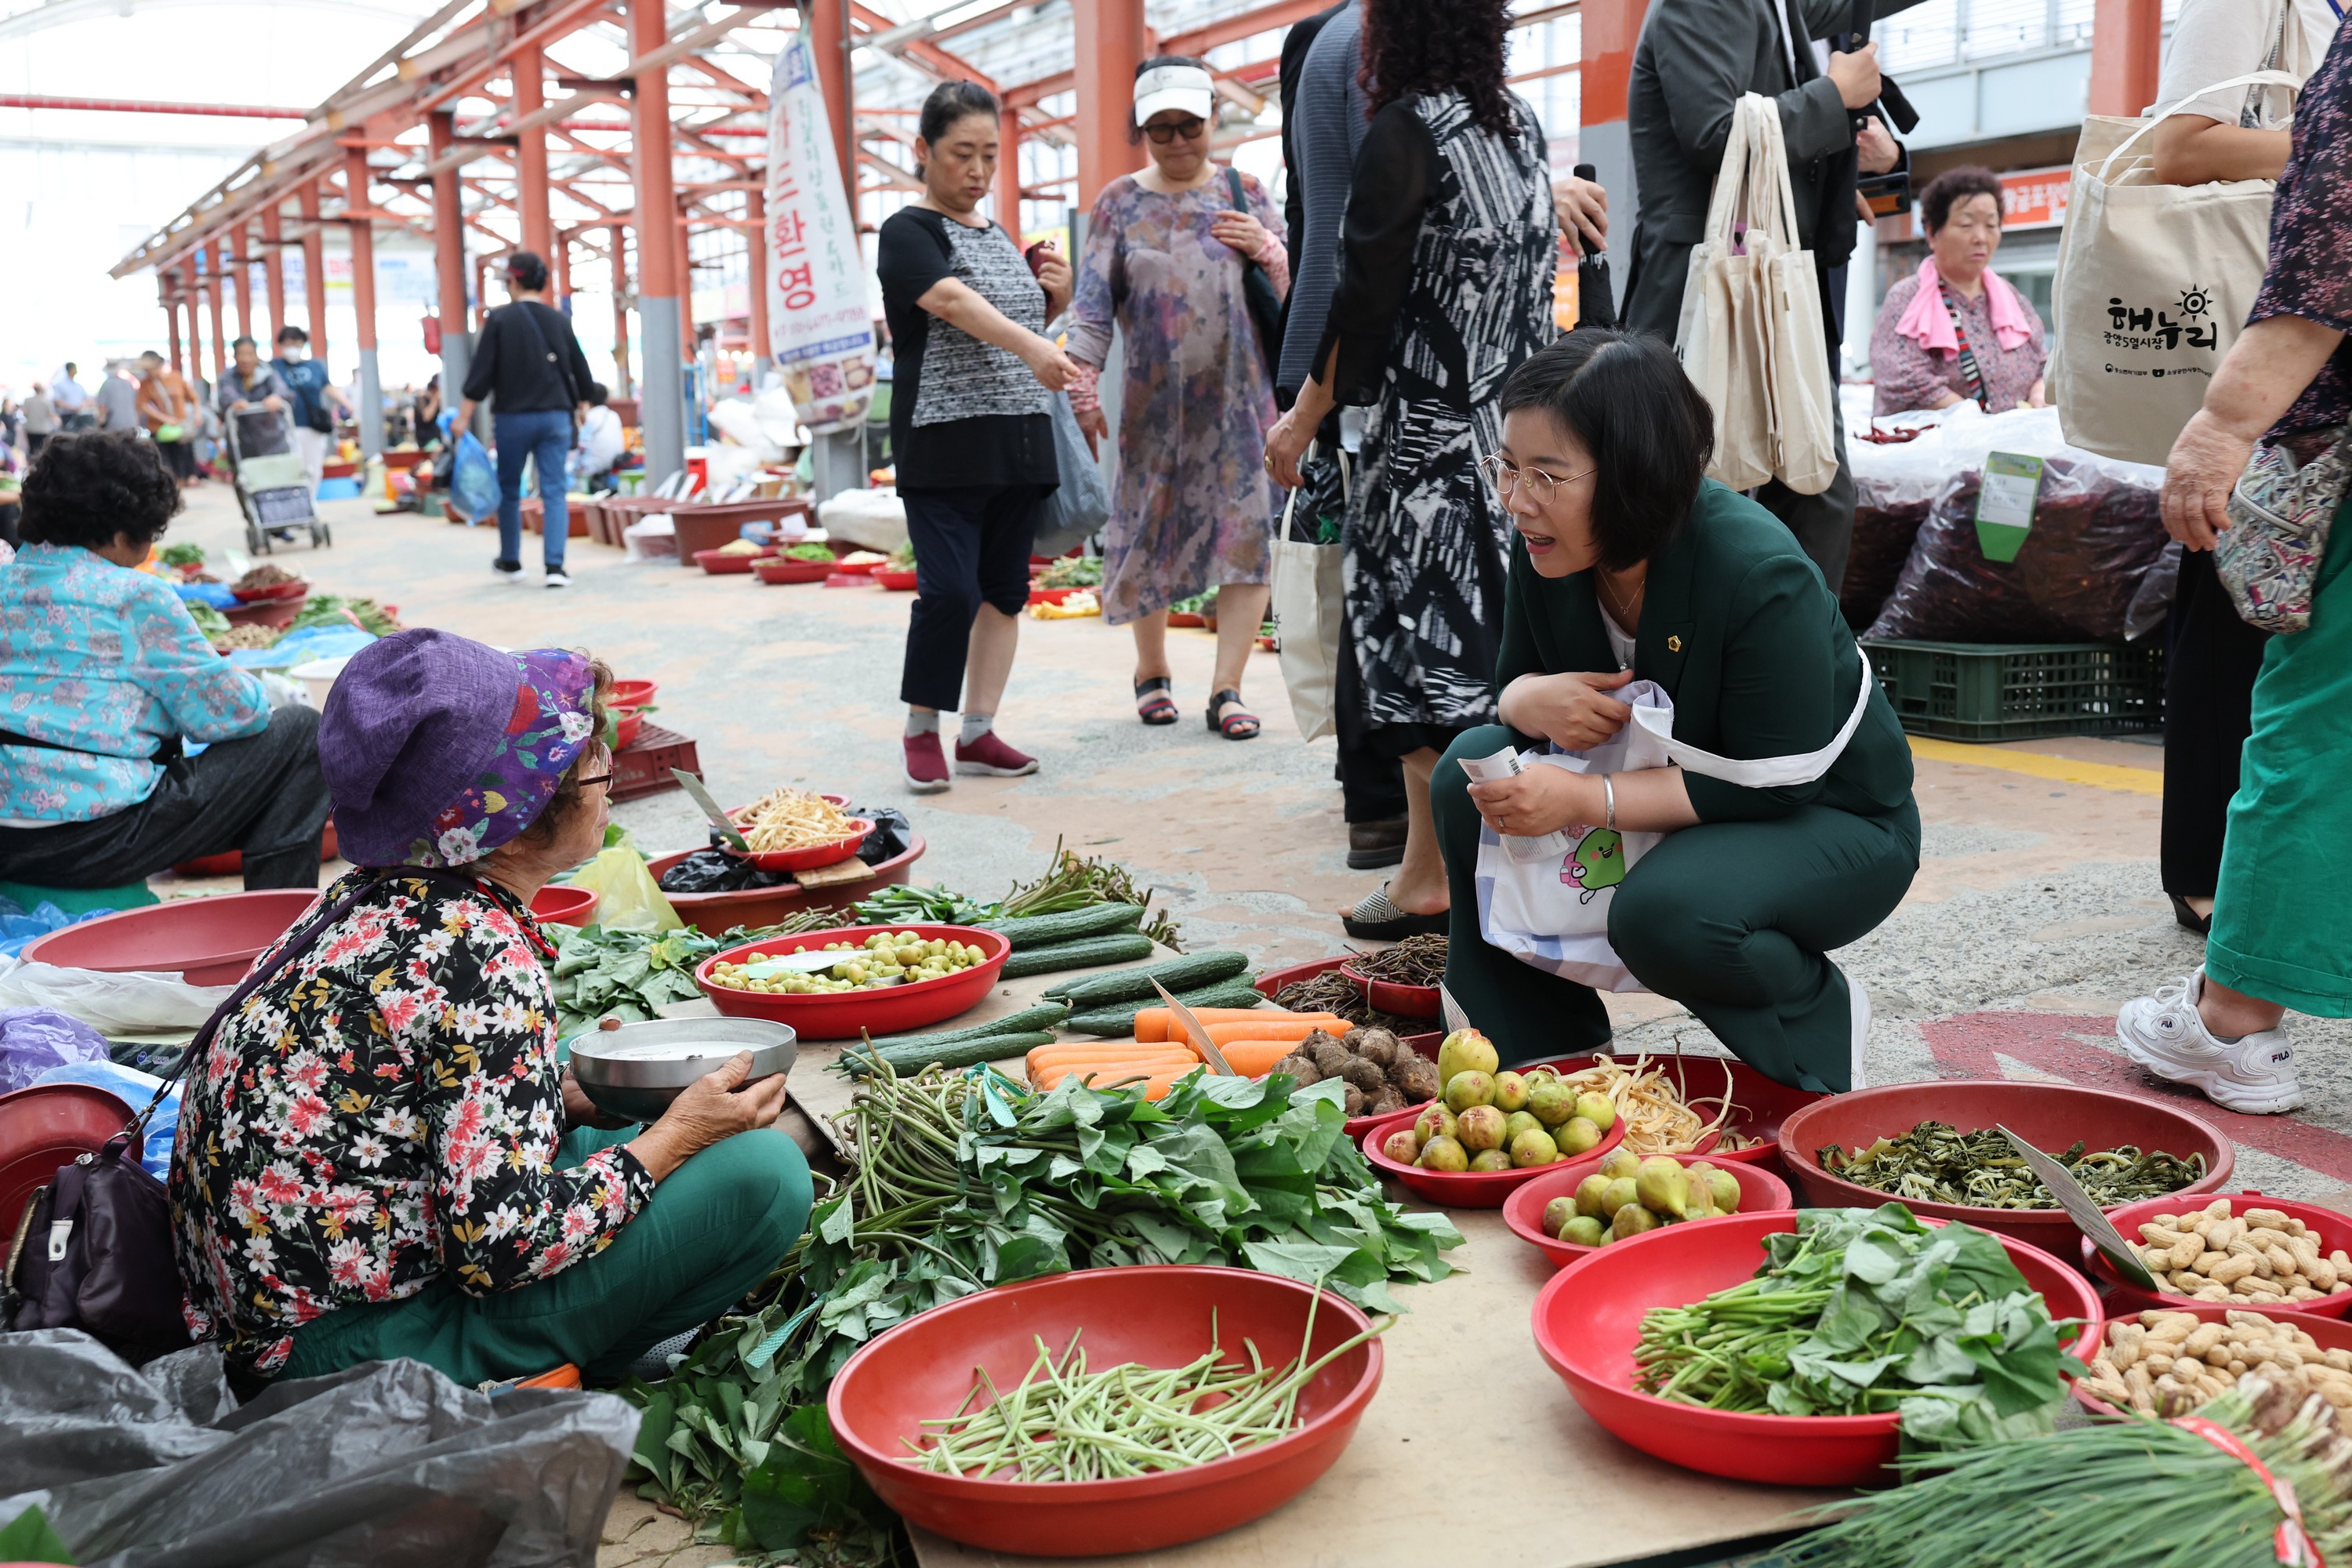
(2281, 922)
(715, 1227)
(1729, 918)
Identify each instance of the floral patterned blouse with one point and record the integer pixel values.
(108, 662)
(2311, 224)
(384, 1110)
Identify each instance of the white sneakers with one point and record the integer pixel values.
(2162, 1033)
(557, 577)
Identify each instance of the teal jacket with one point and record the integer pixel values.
(1739, 629)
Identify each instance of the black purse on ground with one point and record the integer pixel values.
(1257, 290)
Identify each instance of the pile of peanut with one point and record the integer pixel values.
(2168, 1364)
(2261, 1257)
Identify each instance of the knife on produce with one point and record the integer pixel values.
(718, 819)
(1200, 1041)
(2084, 1214)
(1450, 1011)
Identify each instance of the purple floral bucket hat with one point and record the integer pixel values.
(438, 749)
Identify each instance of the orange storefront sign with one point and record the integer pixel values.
(2030, 198)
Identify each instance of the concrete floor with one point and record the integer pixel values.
(2036, 911)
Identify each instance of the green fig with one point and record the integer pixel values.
(1727, 1191)
(1619, 1162)
(1533, 1147)
(1558, 1213)
(1435, 1121)
(1517, 1122)
(1549, 1101)
(1465, 1050)
(1489, 1160)
(1662, 1186)
(1633, 1220)
(1598, 1109)
(1699, 1197)
(1510, 1092)
(1620, 1193)
(1469, 1087)
(1587, 1197)
(1480, 1128)
(1583, 1230)
(1443, 1153)
(1403, 1146)
(1575, 1136)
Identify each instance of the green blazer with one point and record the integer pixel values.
(1739, 629)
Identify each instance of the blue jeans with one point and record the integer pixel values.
(544, 436)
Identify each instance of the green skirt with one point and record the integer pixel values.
(2281, 922)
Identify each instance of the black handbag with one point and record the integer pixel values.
(94, 1250)
(1257, 290)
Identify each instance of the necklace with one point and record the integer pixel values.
(1624, 607)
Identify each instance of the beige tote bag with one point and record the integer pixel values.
(1750, 334)
(2154, 283)
(1310, 609)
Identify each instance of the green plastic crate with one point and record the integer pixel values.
(2014, 692)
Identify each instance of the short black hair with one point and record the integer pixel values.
(290, 334)
(243, 341)
(86, 487)
(950, 101)
(1625, 399)
(528, 268)
(1953, 186)
(599, 394)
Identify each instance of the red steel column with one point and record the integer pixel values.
(1109, 44)
(314, 271)
(559, 266)
(448, 261)
(1008, 171)
(177, 291)
(273, 268)
(622, 381)
(2126, 43)
(219, 260)
(241, 274)
(755, 209)
(529, 69)
(362, 230)
(828, 21)
(661, 288)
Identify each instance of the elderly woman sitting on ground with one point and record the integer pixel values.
(372, 1157)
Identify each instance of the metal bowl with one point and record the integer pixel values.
(637, 1070)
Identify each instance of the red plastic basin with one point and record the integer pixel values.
(47, 1126)
(841, 1014)
(811, 855)
(2050, 1115)
(1157, 1316)
(1760, 1192)
(1759, 1105)
(2330, 1334)
(766, 906)
(208, 941)
(2334, 1230)
(1588, 1318)
(1464, 1189)
(294, 590)
(788, 569)
(560, 903)
(1274, 979)
(631, 693)
(892, 581)
(1404, 1001)
(626, 722)
(724, 563)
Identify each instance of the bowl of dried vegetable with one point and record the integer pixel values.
(1937, 1147)
(1319, 986)
(1402, 978)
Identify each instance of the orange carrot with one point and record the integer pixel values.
(1154, 1023)
(1255, 1058)
(1105, 1074)
(1096, 1051)
(1270, 1029)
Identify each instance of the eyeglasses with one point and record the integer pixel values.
(1504, 474)
(603, 778)
(1187, 127)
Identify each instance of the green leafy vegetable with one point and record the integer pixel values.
(1073, 571)
(183, 554)
(906, 905)
(1935, 1162)
(209, 621)
(808, 552)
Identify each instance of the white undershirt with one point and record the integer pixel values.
(1621, 641)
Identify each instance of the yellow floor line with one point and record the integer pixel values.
(2042, 765)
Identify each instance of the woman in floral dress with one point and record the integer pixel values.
(1167, 253)
(372, 1157)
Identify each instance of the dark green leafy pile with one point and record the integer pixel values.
(1860, 1311)
(905, 904)
(1937, 1164)
(757, 1477)
(1073, 571)
(181, 554)
(633, 974)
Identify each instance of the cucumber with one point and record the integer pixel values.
(1120, 1018)
(1025, 931)
(1087, 952)
(1179, 975)
(1045, 1015)
(908, 1059)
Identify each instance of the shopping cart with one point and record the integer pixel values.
(270, 482)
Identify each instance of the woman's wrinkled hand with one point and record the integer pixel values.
(1573, 711)
(712, 1109)
(2206, 461)
(1529, 804)
(1241, 231)
(1286, 446)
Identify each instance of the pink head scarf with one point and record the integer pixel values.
(1926, 323)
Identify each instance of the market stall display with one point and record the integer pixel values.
(1541, 1212)
(858, 1007)
(2169, 1362)
(2252, 1252)
(1716, 1106)
(1402, 980)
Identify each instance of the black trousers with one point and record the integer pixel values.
(2210, 659)
(971, 548)
(1371, 785)
(179, 457)
(264, 795)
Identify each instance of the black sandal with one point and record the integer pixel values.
(1152, 703)
(2187, 918)
(1239, 725)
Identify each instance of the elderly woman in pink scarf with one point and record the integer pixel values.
(1955, 331)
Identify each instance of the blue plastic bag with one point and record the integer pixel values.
(219, 595)
(474, 479)
(18, 927)
(135, 1088)
(37, 1041)
(302, 646)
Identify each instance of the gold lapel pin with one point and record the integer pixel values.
(1673, 644)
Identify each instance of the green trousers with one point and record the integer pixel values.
(2281, 924)
(716, 1226)
(1729, 918)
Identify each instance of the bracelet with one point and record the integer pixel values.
(1609, 793)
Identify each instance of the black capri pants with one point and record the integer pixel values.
(971, 548)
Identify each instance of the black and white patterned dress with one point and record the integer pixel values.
(963, 413)
(1447, 265)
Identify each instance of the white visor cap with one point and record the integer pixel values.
(1187, 88)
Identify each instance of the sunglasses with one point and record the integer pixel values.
(1188, 128)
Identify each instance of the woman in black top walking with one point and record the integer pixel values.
(528, 363)
(970, 430)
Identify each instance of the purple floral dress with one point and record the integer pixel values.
(2311, 227)
(1194, 509)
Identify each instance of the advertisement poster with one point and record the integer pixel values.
(818, 325)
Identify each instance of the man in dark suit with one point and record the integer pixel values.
(1694, 61)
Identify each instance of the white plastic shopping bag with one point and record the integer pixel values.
(1546, 901)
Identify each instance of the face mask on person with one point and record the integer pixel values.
(292, 353)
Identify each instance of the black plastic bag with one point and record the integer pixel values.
(713, 871)
(386, 1465)
(892, 834)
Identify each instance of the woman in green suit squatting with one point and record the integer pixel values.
(1631, 565)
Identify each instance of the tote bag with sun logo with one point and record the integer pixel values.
(2154, 283)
